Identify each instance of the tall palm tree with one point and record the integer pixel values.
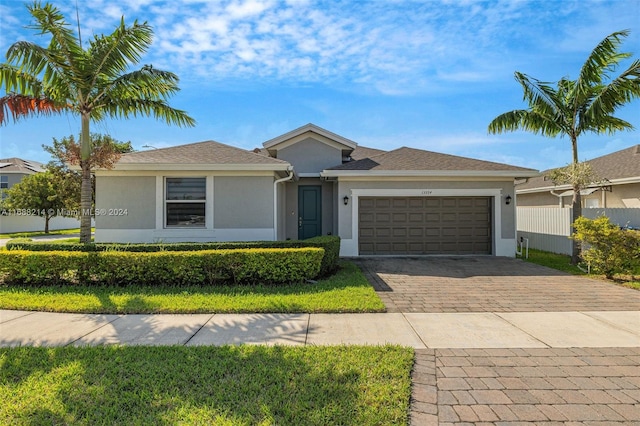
(93, 82)
(574, 107)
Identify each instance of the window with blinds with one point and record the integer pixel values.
(185, 202)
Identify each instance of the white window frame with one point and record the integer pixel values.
(4, 182)
(204, 202)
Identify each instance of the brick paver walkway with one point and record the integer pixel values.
(488, 284)
(576, 386)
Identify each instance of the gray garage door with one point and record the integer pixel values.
(424, 225)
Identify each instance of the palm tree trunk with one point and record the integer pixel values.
(577, 212)
(85, 188)
(576, 205)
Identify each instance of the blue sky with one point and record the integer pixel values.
(423, 74)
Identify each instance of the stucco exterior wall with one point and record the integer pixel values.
(540, 199)
(504, 224)
(135, 194)
(242, 202)
(310, 156)
(13, 178)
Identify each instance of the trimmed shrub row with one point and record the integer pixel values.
(330, 244)
(178, 268)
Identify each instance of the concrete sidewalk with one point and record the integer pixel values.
(595, 329)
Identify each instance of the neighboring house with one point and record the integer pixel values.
(311, 182)
(619, 171)
(12, 170)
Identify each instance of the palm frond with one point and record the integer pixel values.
(22, 106)
(621, 90)
(113, 54)
(531, 121)
(159, 109)
(603, 60)
(606, 124)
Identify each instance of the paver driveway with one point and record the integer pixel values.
(542, 386)
(488, 284)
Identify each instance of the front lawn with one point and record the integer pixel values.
(562, 262)
(346, 291)
(42, 233)
(229, 385)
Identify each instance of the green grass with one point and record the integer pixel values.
(346, 291)
(562, 262)
(41, 233)
(229, 385)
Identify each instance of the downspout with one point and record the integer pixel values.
(275, 201)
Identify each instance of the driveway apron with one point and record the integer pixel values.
(528, 385)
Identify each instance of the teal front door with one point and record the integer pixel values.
(309, 212)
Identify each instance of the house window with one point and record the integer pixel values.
(185, 202)
(4, 182)
(592, 203)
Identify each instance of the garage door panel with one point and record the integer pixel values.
(416, 203)
(399, 232)
(399, 217)
(425, 225)
(416, 232)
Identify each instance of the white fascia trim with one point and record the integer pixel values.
(184, 173)
(426, 192)
(201, 167)
(309, 128)
(426, 173)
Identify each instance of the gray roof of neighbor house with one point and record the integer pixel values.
(208, 153)
(411, 159)
(18, 165)
(619, 165)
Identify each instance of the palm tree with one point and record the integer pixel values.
(574, 107)
(94, 82)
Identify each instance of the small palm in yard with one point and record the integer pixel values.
(573, 107)
(93, 82)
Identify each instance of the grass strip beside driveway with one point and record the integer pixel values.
(229, 385)
(562, 263)
(346, 291)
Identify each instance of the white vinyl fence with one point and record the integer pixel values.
(548, 228)
(11, 224)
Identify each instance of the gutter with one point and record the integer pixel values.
(275, 200)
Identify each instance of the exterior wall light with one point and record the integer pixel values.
(346, 200)
(507, 200)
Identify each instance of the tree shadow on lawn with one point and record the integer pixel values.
(219, 385)
(348, 285)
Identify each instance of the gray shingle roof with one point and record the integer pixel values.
(409, 159)
(208, 152)
(18, 165)
(617, 165)
(361, 152)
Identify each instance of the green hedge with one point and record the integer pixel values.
(178, 268)
(330, 244)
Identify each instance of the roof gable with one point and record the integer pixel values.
(309, 130)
